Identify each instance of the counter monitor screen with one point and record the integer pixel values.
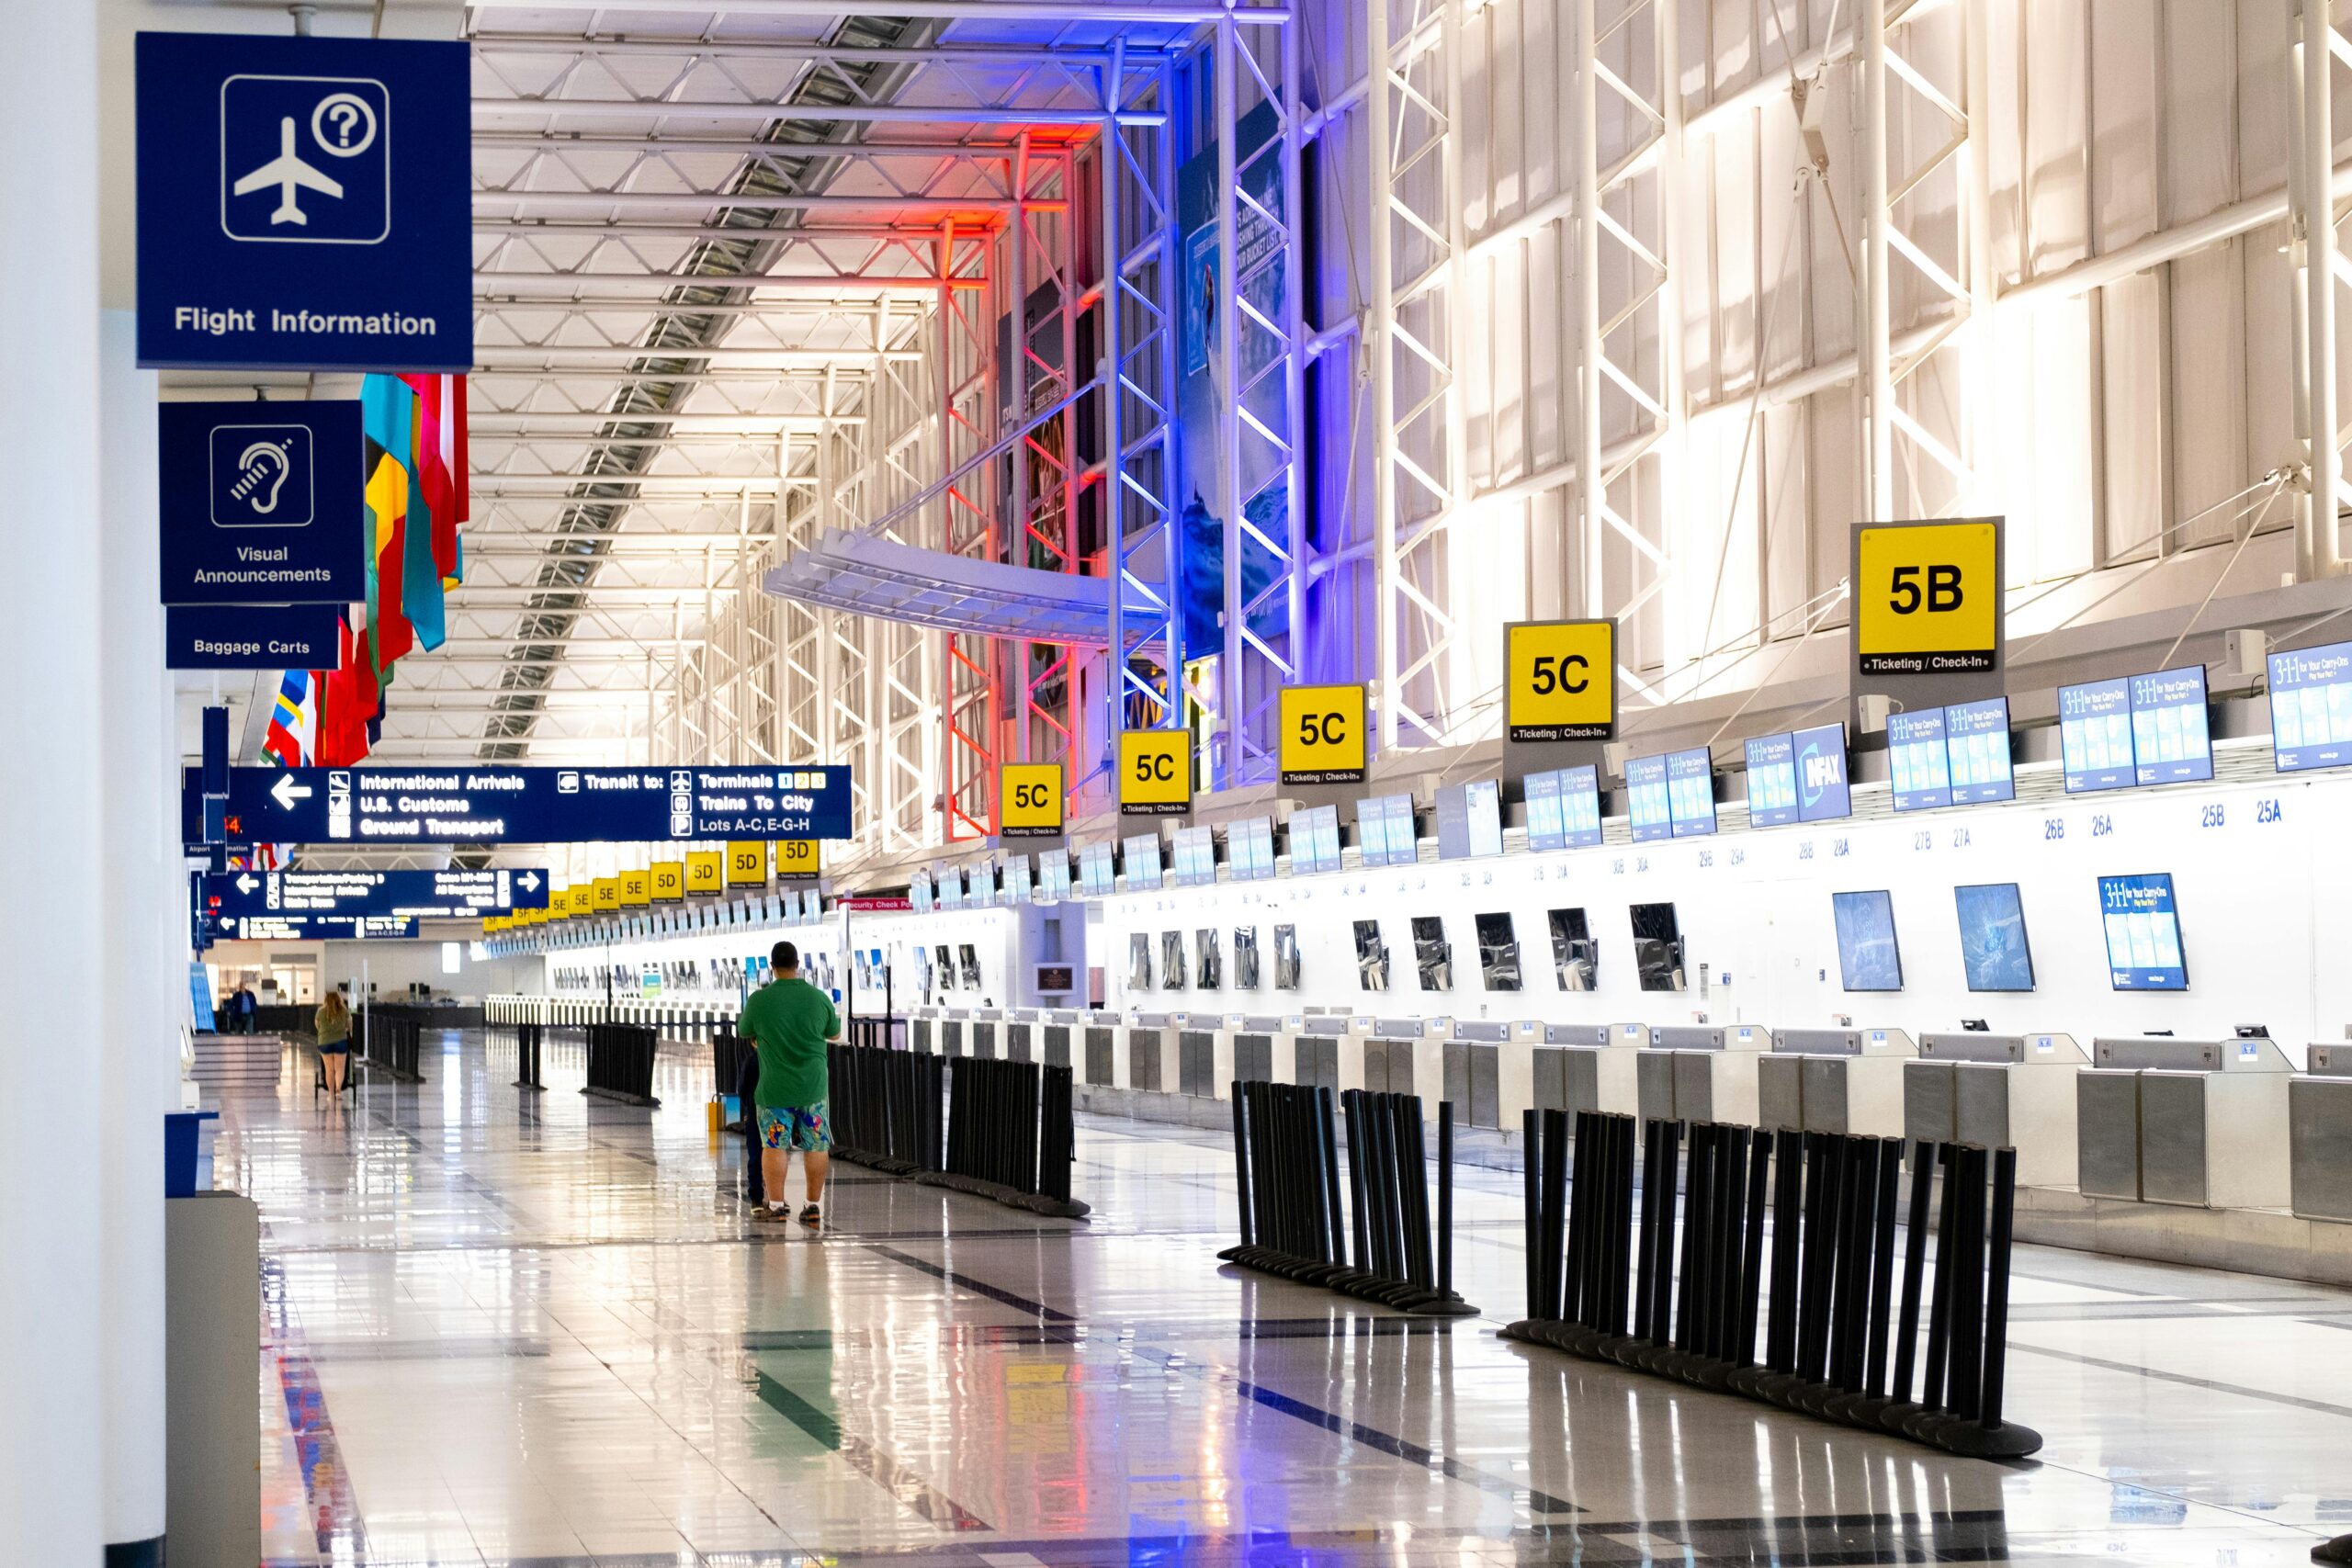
(1386, 834)
(1433, 954)
(1994, 952)
(1976, 737)
(1798, 777)
(1288, 965)
(1646, 800)
(1053, 875)
(2169, 739)
(1173, 971)
(1315, 840)
(1868, 958)
(2311, 707)
(1658, 947)
(1691, 792)
(1016, 879)
(1371, 956)
(2143, 951)
(918, 896)
(1575, 957)
(1498, 951)
(1563, 808)
(2095, 735)
(1195, 856)
(1245, 957)
(1250, 848)
(1141, 860)
(1470, 820)
(951, 886)
(1139, 960)
(1094, 870)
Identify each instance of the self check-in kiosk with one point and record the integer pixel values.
(2193, 1123)
(2319, 1135)
(1998, 1092)
(1695, 1073)
(1833, 1080)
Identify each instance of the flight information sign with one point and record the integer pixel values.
(493, 805)
(432, 894)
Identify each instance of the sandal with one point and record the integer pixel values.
(813, 1217)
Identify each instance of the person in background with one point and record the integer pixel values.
(791, 1023)
(332, 1024)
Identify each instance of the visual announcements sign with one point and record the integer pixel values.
(534, 805)
(304, 203)
(262, 503)
(1927, 600)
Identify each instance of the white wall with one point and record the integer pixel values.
(2263, 907)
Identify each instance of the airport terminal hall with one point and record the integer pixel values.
(1176, 784)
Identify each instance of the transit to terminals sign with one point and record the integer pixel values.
(493, 805)
(430, 895)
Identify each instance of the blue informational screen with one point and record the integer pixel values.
(1976, 736)
(1799, 777)
(1315, 840)
(199, 996)
(1868, 958)
(919, 894)
(2143, 949)
(1646, 800)
(1385, 830)
(1691, 792)
(1563, 808)
(1994, 952)
(1918, 759)
(1095, 876)
(2311, 707)
(1250, 848)
(435, 895)
(2095, 735)
(1771, 781)
(1053, 875)
(1141, 861)
(1195, 856)
(2169, 743)
(1469, 820)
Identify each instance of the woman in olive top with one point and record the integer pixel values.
(332, 1024)
(791, 1022)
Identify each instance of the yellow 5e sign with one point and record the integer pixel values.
(1928, 596)
(1325, 735)
(1155, 773)
(1560, 681)
(1029, 800)
(706, 870)
(636, 889)
(798, 859)
(607, 894)
(746, 862)
(666, 881)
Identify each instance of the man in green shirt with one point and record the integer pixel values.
(791, 1022)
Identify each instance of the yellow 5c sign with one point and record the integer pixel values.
(706, 870)
(1155, 773)
(1029, 803)
(1324, 737)
(746, 862)
(797, 860)
(1927, 597)
(1560, 681)
(666, 881)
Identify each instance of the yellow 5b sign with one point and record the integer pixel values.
(746, 862)
(797, 860)
(1029, 804)
(666, 881)
(706, 870)
(1928, 596)
(1325, 736)
(1155, 773)
(1560, 681)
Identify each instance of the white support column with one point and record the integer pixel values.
(2312, 221)
(1226, 361)
(1379, 339)
(1877, 389)
(1592, 484)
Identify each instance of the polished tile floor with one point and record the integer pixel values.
(507, 1327)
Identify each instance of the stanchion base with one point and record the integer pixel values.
(622, 1097)
(519, 1083)
(2336, 1551)
(996, 1192)
(1972, 1438)
(1396, 1293)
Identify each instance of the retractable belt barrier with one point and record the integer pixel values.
(620, 1061)
(506, 1021)
(1826, 1293)
(1007, 1132)
(729, 1052)
(1286, 1157)
(388, 1044)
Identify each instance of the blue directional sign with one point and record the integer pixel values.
(430, 895)
(251, 636)
(304, 203)
(461, 805)
(310, 928)
(263, 504)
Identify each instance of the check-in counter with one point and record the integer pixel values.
(1021, 1034)
(1101, 1048)
(923, 1031)
(1699, 1073)
(1833, 1080)
(1490, 1067)
(2193, 1123)
(1406, 1055)
(984, 1033)
(1999, 1091)
(2319, 1135)
(1057, 1035)
(1587, 1067)
(1152, 1061)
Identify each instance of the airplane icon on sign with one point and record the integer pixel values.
(288, 173)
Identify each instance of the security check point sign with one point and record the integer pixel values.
(304, 203)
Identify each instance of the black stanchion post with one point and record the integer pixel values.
(1444, 1198)
(1996, 1286)
(1327, 1142)
(1534, 1215)
(1751, 1274)
(1932, 1387)
(1566, 1225)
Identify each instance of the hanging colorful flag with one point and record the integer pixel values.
(387, 422)
(292, 740)
(420, 573)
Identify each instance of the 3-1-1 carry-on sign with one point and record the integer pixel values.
(304, 203)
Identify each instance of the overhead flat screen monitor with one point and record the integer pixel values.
(2169, 739)
(2311, 707)
(1094, 870)
(1646, 800)
(1470, 820)
(951, 886)
(1797, 777)
(2095, 735)
(919, 892)
(1994, 952)
(1015, 884)
(2143, 951)
(1386, 834)
(1315, 840)
(1691, 792)
(1250, 849)
(1195, 855)
(1868, 958)
(1918, 760)
(1563, 808)
(1141, 862)
(1976, 738)
(1053, 875)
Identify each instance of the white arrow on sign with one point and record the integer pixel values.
(286, 792)
(246, 884)
(530, 881)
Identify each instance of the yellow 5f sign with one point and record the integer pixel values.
(746, 862)
(1155, 773)
(1560, 681)
(1927, 597)
(1029, 804)
(797, 860)
(706, 870)
(1324, 735)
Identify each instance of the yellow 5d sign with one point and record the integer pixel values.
(706, 870)
(798, 859)
(1325, 736)
(1560, 681)
(637, 890)
(746, 862)
(1928, 596)
(1029, 800)
(666, 881)
(1155, 773)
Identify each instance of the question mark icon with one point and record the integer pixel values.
(343, 124)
